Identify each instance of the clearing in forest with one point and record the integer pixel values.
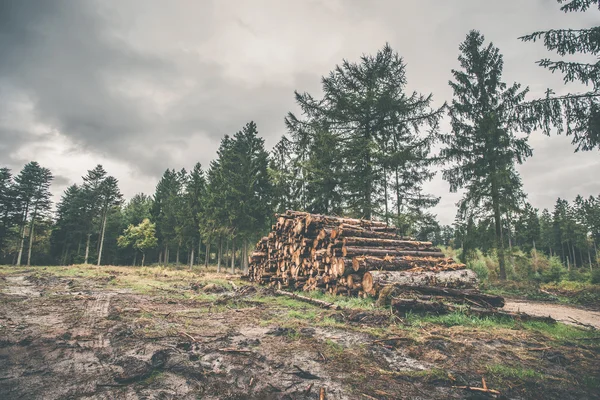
(120, 332)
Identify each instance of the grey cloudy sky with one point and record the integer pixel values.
(142, 85)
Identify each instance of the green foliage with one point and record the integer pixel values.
(381, 156)
(577, 114)
(480, 268)
(555, 271)
(595, 277)
(482, 149)
(512, 373)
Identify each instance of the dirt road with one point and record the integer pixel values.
(566, 314)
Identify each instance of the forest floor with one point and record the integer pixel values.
(86, 332)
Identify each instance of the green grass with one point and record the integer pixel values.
(334, 348)
(557, 331)
(508, 372)
(343, 301)
(428, 375)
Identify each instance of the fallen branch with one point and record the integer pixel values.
(320, 303)
(234, 350)
(592, 327)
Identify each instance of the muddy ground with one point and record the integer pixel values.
(154, 333)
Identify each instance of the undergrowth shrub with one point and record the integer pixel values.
(595, 276)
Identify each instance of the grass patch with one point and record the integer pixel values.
(557, 331)
(427, 375)
(309, 315)
(343, 301)
(508, 372)
(334, 348)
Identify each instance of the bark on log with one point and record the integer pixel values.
(388, 243)
(364, 233)
(374, 281)
(464, 296)
(369, 263)
(348, 251)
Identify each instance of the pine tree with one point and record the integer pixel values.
(7, 208)
(195, 191)
(33, 199)
(577, 114)
(482, 149)
(137, 209)
(90, 197)
(366, 111)
(68, 228)
(167, 208)
(110, 197)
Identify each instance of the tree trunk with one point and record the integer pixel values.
(374, 251)
(369, 263)
(374, 281)
(23, 227)
(79, 247)
(134, 257)
(30, 240)
(102, 237)
(535, 263)
(87, 248)
(233, 255)
(226, 254)
(199, 249)
(160, 257)
(192, 258)
(220, 254)
(177, 254)
(207, 258)
(573, 252)
(21, 245)
(590, 258)
(498, 226)
(245, 256)
(143, 257)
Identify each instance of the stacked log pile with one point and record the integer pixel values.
(357, 257)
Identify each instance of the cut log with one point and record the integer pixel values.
(368, 263)
(387, 243)
(348, 251)
(374, 281)
(465, 296)
(349, 231)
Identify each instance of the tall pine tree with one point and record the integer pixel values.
(577, 114)
(482, 149)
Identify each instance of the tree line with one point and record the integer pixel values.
(363, 148)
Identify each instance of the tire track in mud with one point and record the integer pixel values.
(94, 313)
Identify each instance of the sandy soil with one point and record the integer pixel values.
(124, 333)
(566, 314)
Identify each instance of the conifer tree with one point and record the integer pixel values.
(137, 209)
(7, 207)
(577, 114)
(91, 201)
(110, 197)
(482, 149)
(33, 199)
(195, 191)
(365, 109)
